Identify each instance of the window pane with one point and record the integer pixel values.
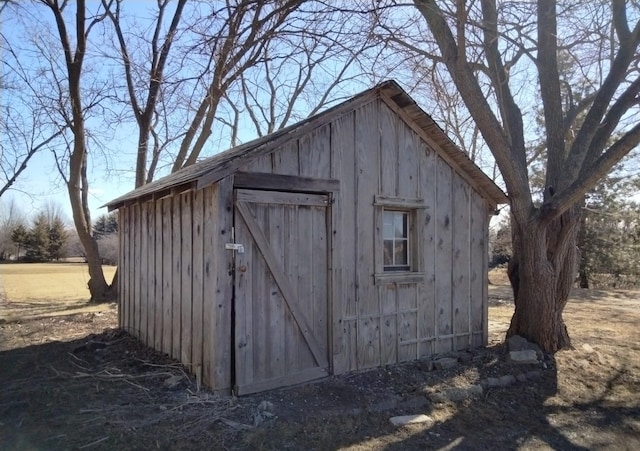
(400, 224)
(401, 253)
(388, 252)
(388, 224)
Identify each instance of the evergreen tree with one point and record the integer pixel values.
(105, 225)
(38, 239)
(20, 237)
(57, 238)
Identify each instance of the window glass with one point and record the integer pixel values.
(396, 240)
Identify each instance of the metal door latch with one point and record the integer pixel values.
(235, 247)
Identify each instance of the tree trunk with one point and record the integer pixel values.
(542, 272)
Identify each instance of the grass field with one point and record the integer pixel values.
(31, 290)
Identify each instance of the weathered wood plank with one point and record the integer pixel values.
(143, 269)
(266, 181)
(444, 256)
(319, 277)
(426, 221)
(123, 267)
(343, 244)
(283, 283)
(176, 284)
(408, 169)
(260, 297)
(293, 338)
(197, 293)
(315, 152)
(167, 277)
(388, 130)
(368, 342)
(210, 296)
(151, 270)
(269, 384)
(286, 159)
(283, 198)
(223, 286)
(389, 329)
(186, 228)
(277, 347)
(367, 164)
(478, 265)
(460, 279)
(157, 280)
(135, 323)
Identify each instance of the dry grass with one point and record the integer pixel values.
(32, 290)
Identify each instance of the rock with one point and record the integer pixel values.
(507, 380)
(426, 365)
(527, 356)
(587, 348)
(517, 343)
(264, 411)
(445, 362)
(521, 377)
(583, 363)
(410, 419)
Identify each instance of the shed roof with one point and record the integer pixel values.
(213, 169)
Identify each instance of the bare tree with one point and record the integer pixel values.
(25, 126)
(493, 52)
(145, 79)
(304, 70)
(10, 217)
(73, 43)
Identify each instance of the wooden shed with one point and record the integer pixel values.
(353, 239)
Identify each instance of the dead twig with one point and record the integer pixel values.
(88, 445)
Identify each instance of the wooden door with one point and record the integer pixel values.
(281, 289)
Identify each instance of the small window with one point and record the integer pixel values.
(396, 240)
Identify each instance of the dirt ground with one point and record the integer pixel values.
(75, 382)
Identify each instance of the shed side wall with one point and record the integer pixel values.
(175, 283)
(377, 319)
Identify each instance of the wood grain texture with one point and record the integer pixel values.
(366, 162)
(444, 256)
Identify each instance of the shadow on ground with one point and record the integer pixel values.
(108, 391)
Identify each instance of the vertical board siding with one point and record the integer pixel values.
(186, 229)
(157, 280)
(427, 307)
(150, 268)
(142, 267)
(135, 322)
(222, 288)
(388, 166)
(123, 267)
(367, 163)
(343, 245)
(460, 280)
(197, 284)
(175, 276)
(167, 277)
(210, 235)
(315, 153)
(286, 160)
(479, 262)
